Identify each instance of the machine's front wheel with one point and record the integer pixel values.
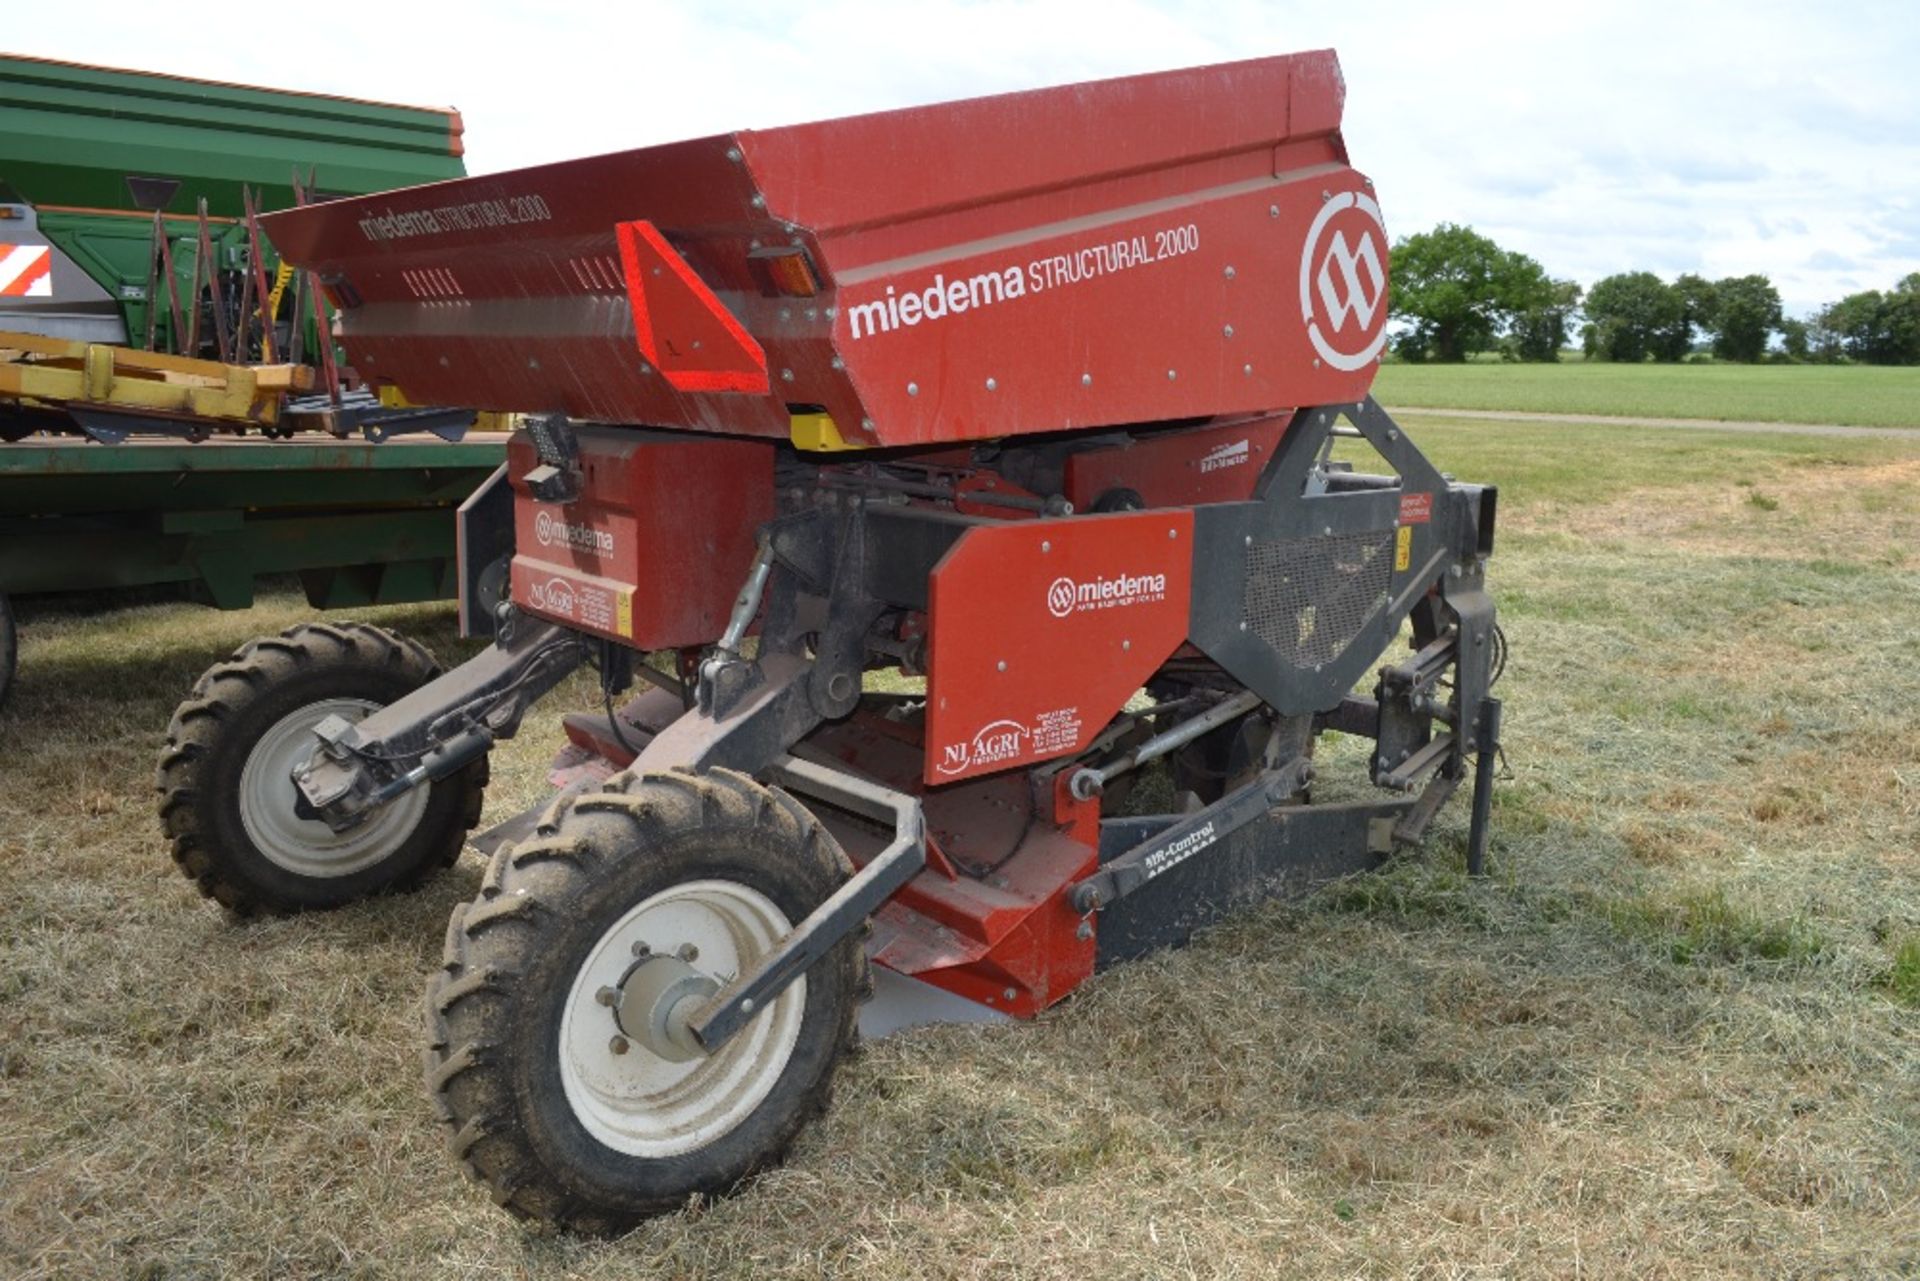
(558, 1055)
(228, 800)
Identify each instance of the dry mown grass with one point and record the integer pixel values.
(1675, 1035)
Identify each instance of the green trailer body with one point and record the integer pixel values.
(87, 154)
(361, 524)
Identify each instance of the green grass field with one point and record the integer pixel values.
(1677, 1034)
(1858, 395)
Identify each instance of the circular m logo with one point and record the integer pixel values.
(1060, 594)
(543, 528)
(1343, 281)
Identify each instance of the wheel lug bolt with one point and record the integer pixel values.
(618, 1045)
(688, 953)
(607, 996)
(640, 948)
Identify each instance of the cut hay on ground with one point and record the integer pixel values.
(1675, 1035)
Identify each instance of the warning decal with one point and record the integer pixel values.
(26, 271)
(1416, 509)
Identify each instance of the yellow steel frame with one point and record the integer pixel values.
(60, 371)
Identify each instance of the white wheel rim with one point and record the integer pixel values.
(641, 1104)
(304, 846)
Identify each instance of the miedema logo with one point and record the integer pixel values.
(941, 298)
(26, 271)
(550, 529)
(1067, 596)
(1060, 597)
(1343, 281)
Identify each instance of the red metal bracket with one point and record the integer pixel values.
(1040, 631)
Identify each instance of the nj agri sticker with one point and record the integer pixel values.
(996, 743)
(1002, 742)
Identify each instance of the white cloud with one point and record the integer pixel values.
(1723, 138)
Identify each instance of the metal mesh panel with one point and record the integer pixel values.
(1310, 597)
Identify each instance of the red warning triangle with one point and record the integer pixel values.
(683, 329)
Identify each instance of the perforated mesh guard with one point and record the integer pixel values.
(1309, 598)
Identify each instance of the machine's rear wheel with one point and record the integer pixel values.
(551, 1057)
(228, 801)
(1217, 762)
(1227, 758)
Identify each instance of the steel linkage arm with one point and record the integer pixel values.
(1190, 835)
(356, 768)
(1089, 781)
(733, 1006)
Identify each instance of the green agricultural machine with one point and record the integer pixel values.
(129, 267)
(92, 160)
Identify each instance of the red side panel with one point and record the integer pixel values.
(1040, 631)
(654, 549)
(1179, 307)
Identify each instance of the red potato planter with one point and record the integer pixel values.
(1032, 395)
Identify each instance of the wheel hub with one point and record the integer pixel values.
(656, 999)
(631, 1071)
(271, 806)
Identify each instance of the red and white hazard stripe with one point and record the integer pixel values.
(26, 271)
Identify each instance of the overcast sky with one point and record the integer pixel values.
(1596, 135)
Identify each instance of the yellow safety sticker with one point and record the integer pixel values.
(624, 613)
(1403, 549)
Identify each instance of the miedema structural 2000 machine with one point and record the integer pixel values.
(1034, 396)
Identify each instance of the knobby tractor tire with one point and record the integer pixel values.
(592, 1143)
(227, 799)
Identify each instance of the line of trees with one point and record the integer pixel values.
(1457, 294)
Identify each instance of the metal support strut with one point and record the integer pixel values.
(430, 733)
(1488, 750)
(732, 1008)
(1088, 782)
(1189, 835)
(724, 677)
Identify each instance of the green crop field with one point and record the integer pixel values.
(1676, 1034)
(1866, 396)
